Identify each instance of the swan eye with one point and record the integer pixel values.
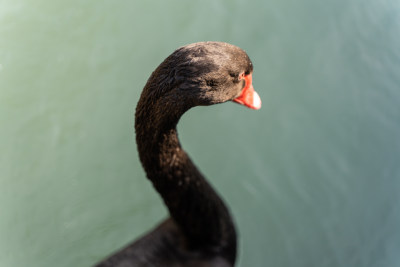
(211, 83)
(242, 76)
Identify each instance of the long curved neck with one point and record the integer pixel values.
(192, 202)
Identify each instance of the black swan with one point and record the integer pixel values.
(200, 231)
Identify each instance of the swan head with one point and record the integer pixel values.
(207, 73)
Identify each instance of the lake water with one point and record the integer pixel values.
(312, 179)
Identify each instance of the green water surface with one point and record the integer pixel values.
(312, 179)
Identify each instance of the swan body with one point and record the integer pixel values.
(200, 231)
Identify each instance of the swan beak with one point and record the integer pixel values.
(249, 96)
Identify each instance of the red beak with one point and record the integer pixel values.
(249, 96)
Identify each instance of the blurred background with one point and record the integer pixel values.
(312, 179)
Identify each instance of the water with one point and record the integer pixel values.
(312, 179)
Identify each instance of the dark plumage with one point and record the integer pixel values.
(200, 231)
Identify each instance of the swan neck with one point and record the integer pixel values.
(192, 202)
